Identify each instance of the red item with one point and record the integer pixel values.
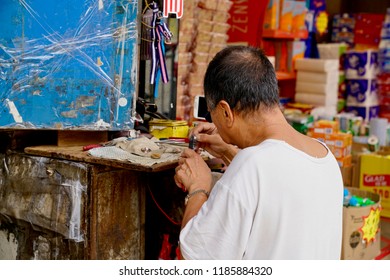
(368, 28)
(178, 254)
(88, 147)
(166, 248)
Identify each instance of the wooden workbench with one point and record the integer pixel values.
(61, 203)
(77, 154)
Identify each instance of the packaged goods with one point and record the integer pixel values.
(361, 226)
(375, 177)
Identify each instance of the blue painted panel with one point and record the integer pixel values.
(68, 64)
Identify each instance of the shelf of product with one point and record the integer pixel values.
(203, 33)
(281, 34)
(383, 78)
(285, 76)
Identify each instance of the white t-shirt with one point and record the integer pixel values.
(273, 202)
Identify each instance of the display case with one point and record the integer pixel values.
(68, 64)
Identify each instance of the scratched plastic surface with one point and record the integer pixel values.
(68, 64)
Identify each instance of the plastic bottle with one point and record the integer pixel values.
(347, 197)
(359, 201)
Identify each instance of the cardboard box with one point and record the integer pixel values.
(375, 177)
(347, 174)
(341, 139)
(344, 161)
(341, 152)
(326, 126)
(361, 229)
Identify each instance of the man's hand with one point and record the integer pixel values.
(192, 173)
(209, 139)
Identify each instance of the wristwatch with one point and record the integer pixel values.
(188, 196)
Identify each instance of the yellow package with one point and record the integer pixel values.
(286, 15)
(271, 17)
(168, 128)
(298, 17)
(375, 177)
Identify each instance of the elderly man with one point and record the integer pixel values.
(281, 196)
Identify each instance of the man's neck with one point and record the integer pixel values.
(253, 130)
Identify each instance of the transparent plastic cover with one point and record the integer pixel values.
(68, 64)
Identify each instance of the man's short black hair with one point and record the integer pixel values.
(243, 77)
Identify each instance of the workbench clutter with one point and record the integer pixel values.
(141, 150)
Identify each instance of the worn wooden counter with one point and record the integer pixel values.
(61, 203)
(77, 154)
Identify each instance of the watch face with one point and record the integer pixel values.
(195, 192)
(186, 200)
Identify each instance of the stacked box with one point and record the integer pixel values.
(361, 68)
(207, 35)
(339, 143)
(336, 51)
(211, 38)
(343, 28)
(317, 82)
(384, 69)
(187, 35)
(368, 29)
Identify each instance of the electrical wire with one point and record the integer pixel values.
(162, 211)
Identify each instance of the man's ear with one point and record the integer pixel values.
(227, 113)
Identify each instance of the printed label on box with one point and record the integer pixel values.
(375, 177)
(361, 92)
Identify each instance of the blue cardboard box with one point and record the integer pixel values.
(68, 64)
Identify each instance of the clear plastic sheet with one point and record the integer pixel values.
(46, 193)
(68, 64)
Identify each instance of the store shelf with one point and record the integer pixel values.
(279, 34)
(283, 76)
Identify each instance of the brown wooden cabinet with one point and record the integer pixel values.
(60, 209)
(59, 203)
